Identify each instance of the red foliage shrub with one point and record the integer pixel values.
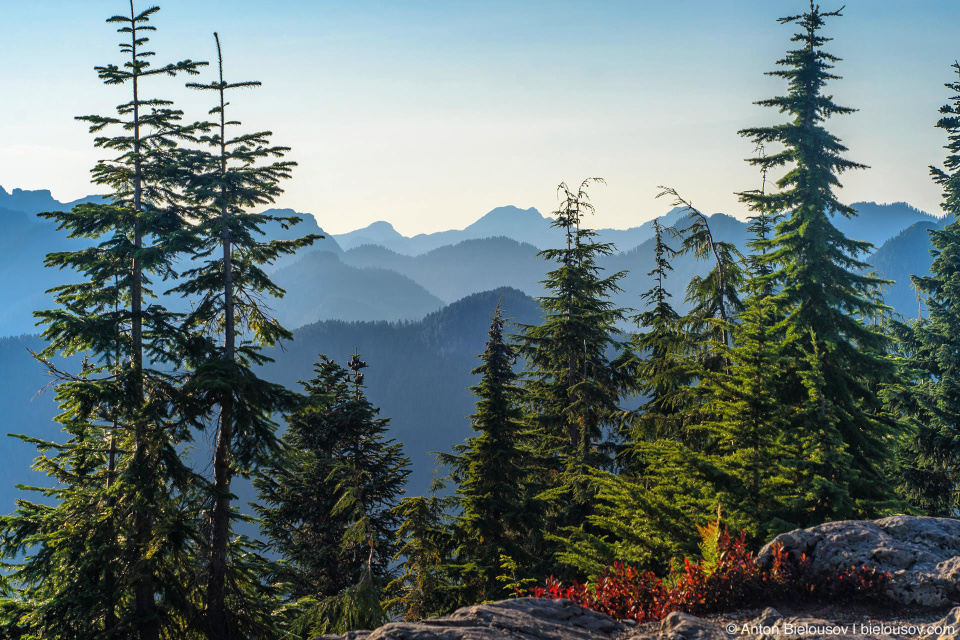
(735, 580)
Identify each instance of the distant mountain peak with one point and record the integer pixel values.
(33, 201)
(508, 215)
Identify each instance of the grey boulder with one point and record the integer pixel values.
(922, 554)
(519, 619)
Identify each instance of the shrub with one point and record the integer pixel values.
(729, 578)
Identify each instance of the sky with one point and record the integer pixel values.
(428, 114)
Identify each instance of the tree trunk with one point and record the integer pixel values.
(217, 617)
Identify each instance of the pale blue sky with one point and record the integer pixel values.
(428, 114)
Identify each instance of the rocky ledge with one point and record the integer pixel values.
(922, 555)
(535, 619)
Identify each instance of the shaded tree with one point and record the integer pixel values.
(930, 464)
(231, 320)
(122, 518)
(327, 507)
(492, 469)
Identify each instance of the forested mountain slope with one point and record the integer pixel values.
(418, 376)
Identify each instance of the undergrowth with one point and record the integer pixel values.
(727, 578)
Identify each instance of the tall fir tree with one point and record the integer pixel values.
(327, 508)
(233, 321)
(823, 291)
(492, 469)
(122, 485)
(660, 348)
(931, 462)
(575, 378)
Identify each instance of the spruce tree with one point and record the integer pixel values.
(229, 312)
(822, 289)
(327, 507)
(492, 471)
(931, 462)
(120, 521)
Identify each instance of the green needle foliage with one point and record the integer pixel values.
(231, 321)
(714, 299)
(573, 384)
(427, 586)
(822, 293)
(120, 522)
(661, 348)
(496, 510)
(328, 506)
(745, 423)
(931, 464)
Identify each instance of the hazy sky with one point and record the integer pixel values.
(428, 114)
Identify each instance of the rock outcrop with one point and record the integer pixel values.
(520, 619)
(922, 554)
(533, 619)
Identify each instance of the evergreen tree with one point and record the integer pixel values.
(109, 559)
(931, 463)
(660, 347)
(822, 290)
(715, 299)
(641, 513)
(761, 227)
(573, 384)
(746, 423)
(228, 289)
(426, 587)
(491, 469)
(327, 508)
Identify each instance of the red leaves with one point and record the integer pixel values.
(620, 592)
(736, 580)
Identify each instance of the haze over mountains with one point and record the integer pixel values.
(419, 376)
(375, 273)
(348, 291)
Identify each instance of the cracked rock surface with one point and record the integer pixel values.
(922, 554)
(534, 619)
(520, 619)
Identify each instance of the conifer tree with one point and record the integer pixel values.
(931, 462)
(228, 289)
(822, 289)
(715, 299)
(746, 424)
(660, 349)
(122, 484)
(328, 507)
(761, 227)
(426, 587)
(491, 468)
(573, 384)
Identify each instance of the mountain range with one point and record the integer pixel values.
(375, 273)
(417, 308)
